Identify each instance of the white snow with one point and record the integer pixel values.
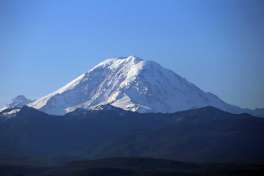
(132, 84)
(2, 108)
(13, 111)
(38, 104)
(17, 102)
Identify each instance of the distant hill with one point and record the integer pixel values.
(133, 167)
(200, 135)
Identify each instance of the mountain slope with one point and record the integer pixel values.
(19, 101)
(202, 135)
(133, 167)
(206, 134)
(259, 112)
(16, 104)
(132, 84)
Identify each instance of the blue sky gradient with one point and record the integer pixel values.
(218, 45)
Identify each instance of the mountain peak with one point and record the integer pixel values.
(129, 83)
(20, 98)
(127, 58)
(17, 102)
(117, 62)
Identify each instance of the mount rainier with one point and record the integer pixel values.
(129, 83)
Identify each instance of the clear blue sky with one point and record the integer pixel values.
(216, 44)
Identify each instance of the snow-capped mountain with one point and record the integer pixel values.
(129, 83)
(17, 102)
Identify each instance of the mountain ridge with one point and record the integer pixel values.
(201, 135)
